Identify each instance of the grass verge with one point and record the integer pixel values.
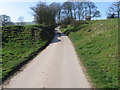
(20, 44)
(96, 44)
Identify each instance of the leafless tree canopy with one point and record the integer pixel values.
(65, 12)
(114, 10)
(5, 20)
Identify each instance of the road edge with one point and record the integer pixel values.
(83, 67)
(19, 68)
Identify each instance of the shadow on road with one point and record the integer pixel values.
(57, 37)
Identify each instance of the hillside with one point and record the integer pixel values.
(21, 43)
(96, 43)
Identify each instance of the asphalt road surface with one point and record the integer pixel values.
(57, 66)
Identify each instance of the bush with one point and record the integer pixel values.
(78, 23)
(63, 26)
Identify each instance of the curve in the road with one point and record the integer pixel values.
(55, 67)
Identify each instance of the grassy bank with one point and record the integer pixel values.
(19, 43)
(96, 43)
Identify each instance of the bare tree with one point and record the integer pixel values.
(46, 14)
(90, 10)
(66, 12)
(93, 12)
(75, 10)
(86, 10)
(114, 10)
(80, 10)
(5, 20)
(59, 13)
(21, 21)
(54, 10)
(40, 12)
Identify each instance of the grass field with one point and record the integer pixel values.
(96, 43)
(21, 42)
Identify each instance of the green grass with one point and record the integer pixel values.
(96, 44)
(21, 42)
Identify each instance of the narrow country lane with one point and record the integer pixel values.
(55, 67)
